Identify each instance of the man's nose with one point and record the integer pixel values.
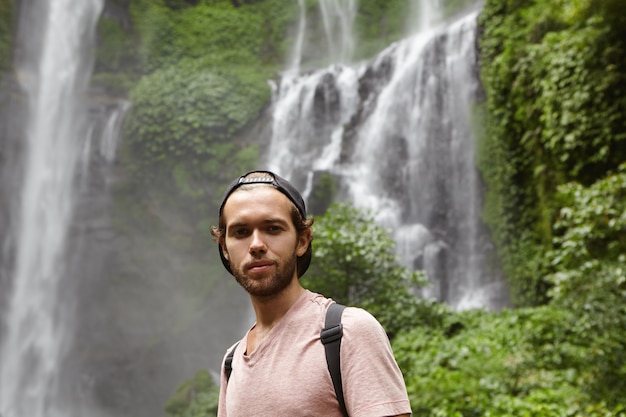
(257, 244)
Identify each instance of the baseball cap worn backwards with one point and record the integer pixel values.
(284, 187)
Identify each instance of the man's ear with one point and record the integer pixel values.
(224, 250)
(304, 240)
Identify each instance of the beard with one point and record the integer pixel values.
(269, 285)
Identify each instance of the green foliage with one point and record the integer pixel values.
(355, 264)
(515, 363)
(188, 115)
(456, 368)
(451, 8)
(323, 194)
(249, 35)
(563, 359)
(379, 23)
(206, 82)
(6, 33)
(548, 68)
(591, 222)
(574, 75)
(589, 259)
(116, 51)
(157, 30)
(197, 397)
(114, 83)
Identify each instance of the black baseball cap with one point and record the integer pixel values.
(284, 187)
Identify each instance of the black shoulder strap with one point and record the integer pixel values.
(331, 338)
(228, 362)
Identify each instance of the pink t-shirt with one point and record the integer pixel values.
(287, 374)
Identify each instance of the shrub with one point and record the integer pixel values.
(354, 263)
(197, 397)
(186, 117)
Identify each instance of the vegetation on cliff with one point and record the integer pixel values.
(556, 93)
(565, 358)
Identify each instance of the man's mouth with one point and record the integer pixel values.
(259, 266)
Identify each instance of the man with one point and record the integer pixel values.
(279, 367)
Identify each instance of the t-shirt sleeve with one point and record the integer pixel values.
(372, 381)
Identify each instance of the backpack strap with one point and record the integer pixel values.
(331, 338)
(228, 362)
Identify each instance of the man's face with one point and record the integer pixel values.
(261, 242)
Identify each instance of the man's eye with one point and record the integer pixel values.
(274, 229)
(240, 232)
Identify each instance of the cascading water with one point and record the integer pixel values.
(422, 116)
(110, 134)
(53, 70)
(338, 18)
(396, 135)
(308, 111)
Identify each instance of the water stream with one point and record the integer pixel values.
(53, 67)
(396, 134)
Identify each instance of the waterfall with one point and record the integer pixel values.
(307, 110)
(110, 135)
(296, 57)
(396, 134)
(53, 66)
(338, 19)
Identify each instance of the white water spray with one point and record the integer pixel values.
(338, 20)
(296, 54)
(300, 126)
(110, 135)
(54, 74)
(408, 153)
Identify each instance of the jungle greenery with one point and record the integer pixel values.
(6, 33)
(554, 78)
(355, 261)
(552, 153)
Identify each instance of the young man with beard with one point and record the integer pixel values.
(279, 367)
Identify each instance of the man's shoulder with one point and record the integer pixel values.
(314, 302)
(359, 315)
(354, 320)
(317, 299)
(362, 323)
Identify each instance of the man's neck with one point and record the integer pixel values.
(269, 310)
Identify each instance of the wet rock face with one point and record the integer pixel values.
(392, 167)
(12, 108)
(135, 338)
(117, 10)
(326, 105)
(376, 75)
(373, 80)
